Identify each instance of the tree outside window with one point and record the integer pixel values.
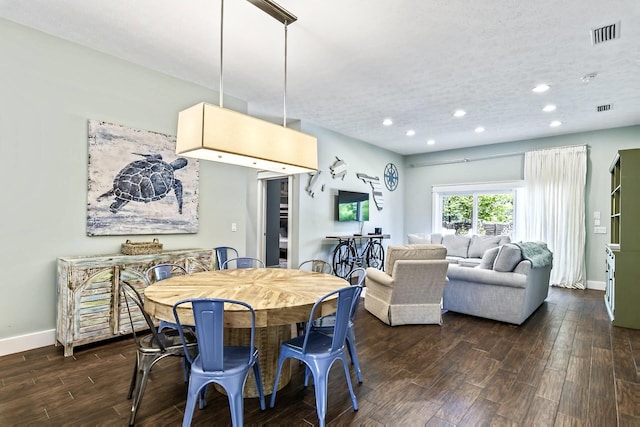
(492, 214)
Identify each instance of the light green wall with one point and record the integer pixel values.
(316, 215)
(602, 148)
(50, 88)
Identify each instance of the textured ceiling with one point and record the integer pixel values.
(353, 63)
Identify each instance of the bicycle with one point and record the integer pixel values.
(347, 255)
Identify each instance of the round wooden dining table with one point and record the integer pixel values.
(280, 298)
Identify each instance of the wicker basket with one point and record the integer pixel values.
(141, 248)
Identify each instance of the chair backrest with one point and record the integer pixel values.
(163, 271)
(132, 297)
(361, 274)
(317, 265)
(346, 297)
(417, 252)
(357, 275)
(223, 253)
(242, 262)
(208, 314)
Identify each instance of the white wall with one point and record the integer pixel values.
(603, 146)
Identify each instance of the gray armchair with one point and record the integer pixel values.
(410, 289)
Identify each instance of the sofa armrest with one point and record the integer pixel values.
(379, 277)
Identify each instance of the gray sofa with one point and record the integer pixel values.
(461, 249)
(508, 285)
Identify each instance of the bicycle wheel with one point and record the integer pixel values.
(343, 259)
(375, 255)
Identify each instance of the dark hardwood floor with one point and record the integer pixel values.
(565, 366)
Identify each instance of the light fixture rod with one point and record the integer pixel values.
(284, 101)
(275, 10)
(221, 102)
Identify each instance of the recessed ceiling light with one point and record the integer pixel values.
(459, 113)
(541, 88)
(479, 129)
(548, 108)
(387, 122)
(431, 142)
(411, 132)
(555, 123)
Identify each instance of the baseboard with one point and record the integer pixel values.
(595, 285)
(27, 342)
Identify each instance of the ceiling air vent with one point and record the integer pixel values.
(603, 107)
(606, 33)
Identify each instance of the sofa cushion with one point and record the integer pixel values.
(489, 258)
(457, 245)
(486, 277)
(418, 238)
(422, 238)
(415, 252)
(508, 257)
(480, 244)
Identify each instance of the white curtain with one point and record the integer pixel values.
(555, 182)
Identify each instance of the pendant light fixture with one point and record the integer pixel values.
(212, 132)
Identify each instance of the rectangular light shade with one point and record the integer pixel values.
(214, 133)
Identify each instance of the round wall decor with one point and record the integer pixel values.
(391, 176)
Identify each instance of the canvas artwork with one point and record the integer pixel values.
(137, 184)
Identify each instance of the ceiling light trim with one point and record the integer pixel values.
(215, 133)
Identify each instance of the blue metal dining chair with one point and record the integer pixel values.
(152, 347)
(325, 324)
(227, 366)
(242, 262)
(318, 351)
(159, 272)
(223, 253)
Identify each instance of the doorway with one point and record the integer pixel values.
(275, 231)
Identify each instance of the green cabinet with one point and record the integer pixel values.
(622, 290)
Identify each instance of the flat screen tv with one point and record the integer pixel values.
(352, 206)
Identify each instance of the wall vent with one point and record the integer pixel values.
(606, 33)
(603, 107)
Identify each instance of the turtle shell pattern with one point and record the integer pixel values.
(144, 181)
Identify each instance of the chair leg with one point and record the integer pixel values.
(144, 368)
(281, 360)
(320, 371)
(258, 378)
(348, 376)
(236, 404)
(353, 353)
(193, 395)
(134, 376)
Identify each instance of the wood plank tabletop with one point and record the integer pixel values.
(279, 296)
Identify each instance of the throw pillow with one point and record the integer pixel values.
(418, 238)
(488, 258)
(456, 245)
(508, 257)
(480, 244)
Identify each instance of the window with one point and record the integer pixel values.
(488, 208)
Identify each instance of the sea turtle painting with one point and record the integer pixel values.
(146, 180)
